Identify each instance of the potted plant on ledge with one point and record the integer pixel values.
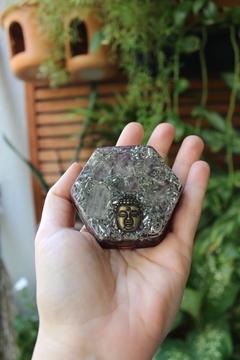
(49, 41)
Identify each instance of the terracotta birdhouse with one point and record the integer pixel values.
(27, 47)
(80, 62)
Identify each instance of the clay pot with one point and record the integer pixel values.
(80, 63)
(27, 46)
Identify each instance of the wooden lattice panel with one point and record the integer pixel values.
(51, 146)
(49, 133)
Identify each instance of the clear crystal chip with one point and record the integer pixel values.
(125, 196)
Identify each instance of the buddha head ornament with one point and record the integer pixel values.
(125, 196)
(128, 213)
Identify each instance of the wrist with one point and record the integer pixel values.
(57, 348)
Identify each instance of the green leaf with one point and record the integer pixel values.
(237, 178)
(232, 15)
(215, 307)
(226, 226)
(217, 121)
(214, 139)
(181, 12)
(201, 245)
(229, 78)
(226, 267)
(213, 342)
(210, 13)
(197, 6)
(190, 44)
(236, 142)
(74, 112)
(179, 126)
(182, 85)
(81, 112)
(96, 41)
(173, 349)
(192, 302)
(34, 170)
(101, 105)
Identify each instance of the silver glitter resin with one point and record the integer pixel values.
(126, 195)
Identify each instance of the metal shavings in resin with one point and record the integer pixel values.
(126, 193)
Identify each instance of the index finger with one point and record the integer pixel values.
(58, 211)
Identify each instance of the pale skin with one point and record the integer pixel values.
(100, 304)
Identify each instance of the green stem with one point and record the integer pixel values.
(167, 98)
(165, 86)
(204, 77)
(231, 108)
(86, 122)
(175, 80)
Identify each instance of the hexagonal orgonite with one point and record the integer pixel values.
(125, 196)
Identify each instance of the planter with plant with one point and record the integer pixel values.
(27, 47)
(67, 42)
(83, 61)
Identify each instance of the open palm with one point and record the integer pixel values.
(115, 304)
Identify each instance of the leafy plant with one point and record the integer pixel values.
(34, 170)
(213, 287)
(212, 342)
(27, 329)
(26, 323)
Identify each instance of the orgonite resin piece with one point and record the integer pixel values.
(125, 196)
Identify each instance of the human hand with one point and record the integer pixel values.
(114, 304)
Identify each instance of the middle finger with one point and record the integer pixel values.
(162, 138)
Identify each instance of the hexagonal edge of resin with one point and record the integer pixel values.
(126, 196)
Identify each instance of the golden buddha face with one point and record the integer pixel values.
(128, 217)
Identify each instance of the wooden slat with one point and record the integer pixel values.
(214, 82)
(205, 124)
(186, 105)
(51, 179)
(227, 3)
(61, 143)
(50, 168)
(65, 105)
(43, 119)
(59, 105)
(59, 130)
(220, 108)
(51, 143)
(78, 91)
(105, 89)
(32, 127)
(65, 155)
(65, 92)
(215, 97)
